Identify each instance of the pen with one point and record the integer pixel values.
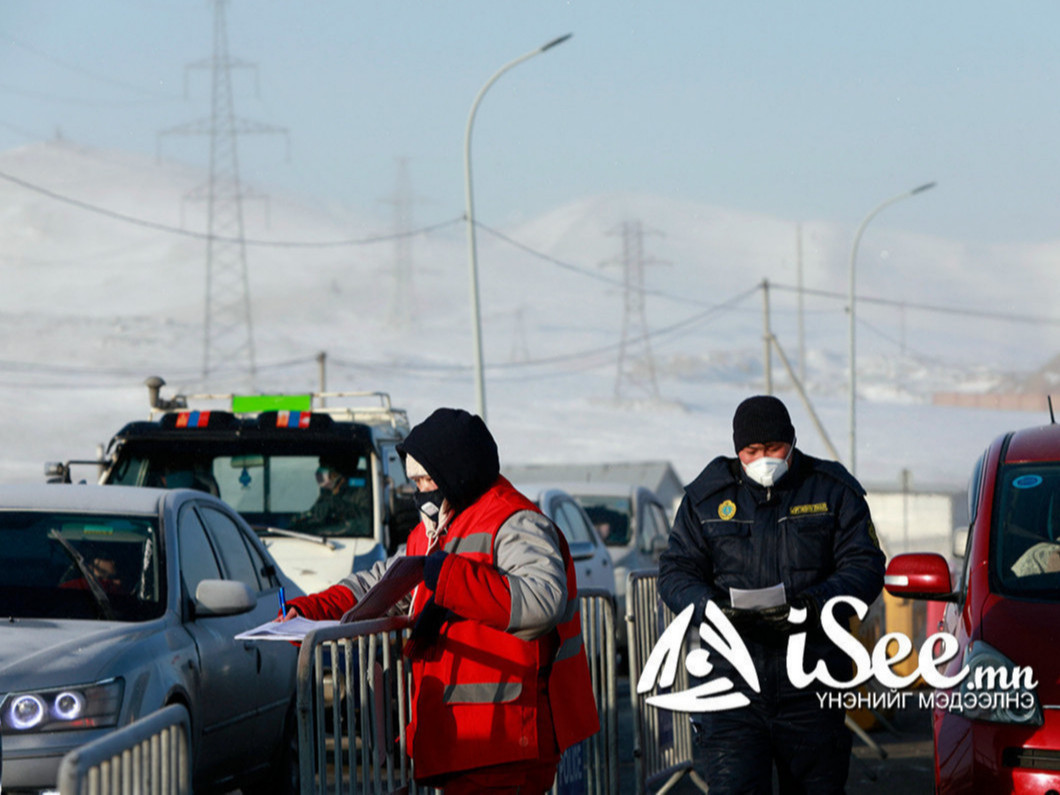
(283, 604)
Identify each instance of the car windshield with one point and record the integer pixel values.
(1026, 548)
(68, 565)
(321, 495)
(611, 515)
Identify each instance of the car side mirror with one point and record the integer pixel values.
(581, 550)
(223, 598)
(919, 575)
(658, 545)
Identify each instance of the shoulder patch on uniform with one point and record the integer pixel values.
(810, 508)
(727, 510)
(872, 534)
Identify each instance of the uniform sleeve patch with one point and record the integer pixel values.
(811, 508)
(872, 534)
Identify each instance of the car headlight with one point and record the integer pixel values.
(997, 690)
(62, 708)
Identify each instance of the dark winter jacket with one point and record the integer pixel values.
(811, 531)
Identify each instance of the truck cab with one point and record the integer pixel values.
(317, 476)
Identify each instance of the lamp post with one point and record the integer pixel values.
(476, 314)
(853, 259)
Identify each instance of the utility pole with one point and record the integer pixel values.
(228, 338)
(800, 294)
(767, 339)
(636, 365)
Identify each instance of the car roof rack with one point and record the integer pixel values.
(369, 408)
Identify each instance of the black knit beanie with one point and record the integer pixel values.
(761, 419)
(458, 452)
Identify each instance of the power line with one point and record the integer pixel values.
(948, 310)
(591, 274)
(80, 101)
(78, 69)
(176, 230)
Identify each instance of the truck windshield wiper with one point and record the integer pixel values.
(90, 579)
(279, 531)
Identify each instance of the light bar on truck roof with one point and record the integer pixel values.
(253, 404)
(197, 419)
(296, 420)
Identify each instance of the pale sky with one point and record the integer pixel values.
(804, 110)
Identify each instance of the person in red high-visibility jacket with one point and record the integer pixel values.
(500, 680)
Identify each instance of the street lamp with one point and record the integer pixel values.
(853, 259)
(476, 315)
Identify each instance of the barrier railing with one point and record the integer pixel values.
(149, 755)
(662, 740)
(352, 704)
(591, 767)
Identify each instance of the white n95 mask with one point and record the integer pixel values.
(766, 471)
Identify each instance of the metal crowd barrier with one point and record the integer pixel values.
(352, 704)
(151, 755)
(662, 740)
(591, 767)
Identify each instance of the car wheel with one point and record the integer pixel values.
(283, 776)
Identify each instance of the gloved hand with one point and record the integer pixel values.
(432, 567)
(741, 619)
(426, 629)
(775, 619)
(813, 611)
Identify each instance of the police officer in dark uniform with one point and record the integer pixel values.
(773, 515)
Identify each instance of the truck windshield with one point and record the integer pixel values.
(64, 565)
(320, 495)
(1026, 544)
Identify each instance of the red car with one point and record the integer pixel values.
(998, 731)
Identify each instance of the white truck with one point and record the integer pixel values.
(268, 457)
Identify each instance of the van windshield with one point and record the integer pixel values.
(611, 515)
(1026, 546)
(321, 495)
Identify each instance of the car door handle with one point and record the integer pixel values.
(254, 647)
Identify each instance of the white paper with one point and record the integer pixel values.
(758, 598)
(295, 629)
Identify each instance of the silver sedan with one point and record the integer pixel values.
(117, 601)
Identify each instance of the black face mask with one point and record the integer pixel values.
(429, 502)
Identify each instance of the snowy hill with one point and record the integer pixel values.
(103, 257)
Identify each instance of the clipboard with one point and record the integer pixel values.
(402, 576)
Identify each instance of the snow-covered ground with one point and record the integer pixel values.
(99, 292)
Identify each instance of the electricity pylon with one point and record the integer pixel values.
(228, 338)
(636, 365)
